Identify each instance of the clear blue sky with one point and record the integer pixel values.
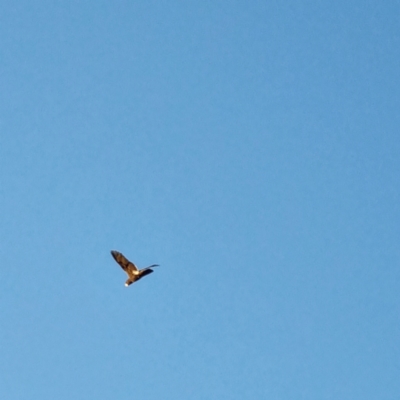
(251, 148)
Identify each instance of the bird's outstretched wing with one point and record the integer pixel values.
(129, 267)
(145, 272)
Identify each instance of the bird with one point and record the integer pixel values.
(134, 274)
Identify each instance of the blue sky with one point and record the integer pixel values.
(250, 148)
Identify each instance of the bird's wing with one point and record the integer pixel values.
(129, 267)
(144, 272)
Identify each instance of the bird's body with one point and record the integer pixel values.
(134, 274)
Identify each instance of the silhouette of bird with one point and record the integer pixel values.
(131, 269)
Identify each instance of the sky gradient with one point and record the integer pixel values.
(250, 149)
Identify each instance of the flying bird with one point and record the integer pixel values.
(134, 274)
